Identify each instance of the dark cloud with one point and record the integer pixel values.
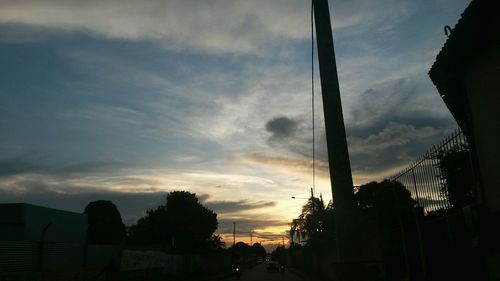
(16, 166)
(35, 163)
(395, 122)
(236, 206)
(131, 205)
(411, 101)
(281, 127)
(292, 135)
(391, 124)
(397, 144)
(39, 186)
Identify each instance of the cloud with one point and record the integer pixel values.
(131, 205)
(281, 127)
(392, 123)
(222, 26)
(226, 207)
(410, 100)
(39, 164)
(294, 165)
(26, 181)
(245, 225)
(392, 135)
(208, 26)
(73, 194)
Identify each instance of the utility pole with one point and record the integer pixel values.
(251, 241)
(338, 156)
(234, 233)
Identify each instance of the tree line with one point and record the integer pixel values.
(383, 204)
(181, 225)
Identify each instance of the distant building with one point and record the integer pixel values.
(467, 75)
(26, 222)
(36, 239)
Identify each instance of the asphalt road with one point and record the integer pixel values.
(259, 273)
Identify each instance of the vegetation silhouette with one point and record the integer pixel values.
(279, 254)
(315, 225)
(389, 199)
(391, 204)
(243, 249)
(246, 256)
(105, 225)
(456, 169)
(386, 205)
(182, 224)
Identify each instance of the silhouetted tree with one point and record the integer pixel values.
(316, 224)
(182, 224)
(240, 248)
(258, 250)
(392, 205)
(385, 194)
(216, 243)
(240, 253)
(105, 224)
(310, 220)
(279, 255)
(456, 170)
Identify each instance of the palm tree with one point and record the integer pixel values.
(310, 221)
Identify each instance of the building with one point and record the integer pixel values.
(35, 239)
(466, 74)
(26, 222)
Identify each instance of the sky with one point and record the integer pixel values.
(128, 100)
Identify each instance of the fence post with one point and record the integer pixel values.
(415, 185)
(40, 247)
(420, 243)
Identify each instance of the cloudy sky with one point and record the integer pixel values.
(128, 100)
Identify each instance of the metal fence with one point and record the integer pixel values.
(423, 178)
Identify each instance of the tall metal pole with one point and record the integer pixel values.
(234, 233)
(338, 156)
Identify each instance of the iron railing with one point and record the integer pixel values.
(423, 178)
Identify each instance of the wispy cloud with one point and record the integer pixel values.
(294, 165)
(237, 206)
(76, 190)
(213, 26)
(208, 26)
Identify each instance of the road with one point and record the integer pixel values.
(259, 273)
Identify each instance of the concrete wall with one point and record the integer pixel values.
(483, 92)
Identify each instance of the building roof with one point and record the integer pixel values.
(477, 30)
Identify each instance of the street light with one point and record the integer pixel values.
(312, 196)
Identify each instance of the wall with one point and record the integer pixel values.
(483, 92)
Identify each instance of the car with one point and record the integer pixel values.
(273, 266)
